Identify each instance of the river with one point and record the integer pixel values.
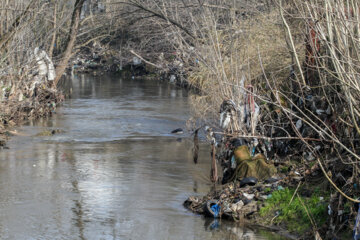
(114, 171)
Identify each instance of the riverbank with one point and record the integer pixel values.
(31, 101)
(291, 199)
(102, 60)
(273, 204)
(38, 98)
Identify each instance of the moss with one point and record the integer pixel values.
(294, 215)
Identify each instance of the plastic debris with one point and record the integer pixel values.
(264, 197)
(136, 61)
(237, 206)
(45, 65)
(309, 156)
(227, 110)
(329, 210)
(254, 144)
(328, 110)
(216, 209)
(299, 124)
(251, 181)
(211, 208)
(319, 111)
(172, 78)
(249, 196)
(233, 162)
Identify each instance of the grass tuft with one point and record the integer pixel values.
(294, 215)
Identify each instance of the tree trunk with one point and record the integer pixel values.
(74, 27)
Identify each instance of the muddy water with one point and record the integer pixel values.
(115, 172)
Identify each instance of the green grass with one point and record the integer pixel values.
(294, 215)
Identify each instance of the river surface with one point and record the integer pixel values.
(113, 172)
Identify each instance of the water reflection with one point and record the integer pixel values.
(115, 172)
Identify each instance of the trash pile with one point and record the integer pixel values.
(29, 99)
(247, 176)
(247, 180)
(237, 200)
(261, 152)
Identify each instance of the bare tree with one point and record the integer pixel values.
(74, 27)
